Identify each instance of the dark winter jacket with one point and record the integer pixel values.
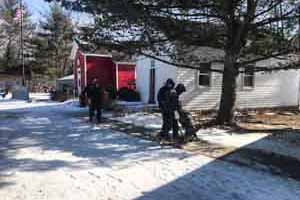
(94, 93)
(174, 104)
(163, 98)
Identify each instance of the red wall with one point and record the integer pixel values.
(79, 57)
(126, 74)
(102, 68)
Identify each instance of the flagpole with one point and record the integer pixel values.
(22, 45)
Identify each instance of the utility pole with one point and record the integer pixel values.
(22, 45)
(298, 33)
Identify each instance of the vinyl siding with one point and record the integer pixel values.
(197, 97)
(275, 89)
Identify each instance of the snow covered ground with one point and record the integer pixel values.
(10, 104)
(48, 152)
(142, 119)
(259, 141)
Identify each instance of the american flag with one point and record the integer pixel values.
(19, 15)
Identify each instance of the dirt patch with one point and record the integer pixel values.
(208, 149)
(281, 125)
(269, 120)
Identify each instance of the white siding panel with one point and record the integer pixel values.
(271, 90)
(162, 73)
(200, 97)
(142, 78)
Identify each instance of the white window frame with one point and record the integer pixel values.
(244, 75)
(199, 73)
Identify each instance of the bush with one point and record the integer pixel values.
(126, 94)
(58, 96)
(112, 93)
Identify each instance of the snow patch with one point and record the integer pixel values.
(141, 119)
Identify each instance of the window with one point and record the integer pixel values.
(152, 64)
(248, 78)
(204, 74)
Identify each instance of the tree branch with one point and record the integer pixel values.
(265, 57)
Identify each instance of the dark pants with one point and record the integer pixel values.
(98, 109)
(169, 122)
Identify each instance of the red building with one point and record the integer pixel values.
(112, 69)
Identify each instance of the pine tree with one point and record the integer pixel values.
(10, 37)
(55, 42)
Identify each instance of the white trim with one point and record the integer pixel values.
(70, 77)
(125, 63)
(298, 89)
(97, 55)
(209, 74)
(74, 51)
(79, 81)
(85, 71)
(247, 88)
(117, 75)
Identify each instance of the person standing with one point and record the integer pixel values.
(163, 98)
(175, 107)
(94, 94)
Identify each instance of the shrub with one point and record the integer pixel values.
(126, 94)
(112, 93)
(58, 96)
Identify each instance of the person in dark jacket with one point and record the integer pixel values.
(94, 94)
(175, 107)
(184, 117)
(163, 98)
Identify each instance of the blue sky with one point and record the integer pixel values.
(36, 7)
(39, 7)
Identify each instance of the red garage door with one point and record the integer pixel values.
(126, 75)
(101, 68)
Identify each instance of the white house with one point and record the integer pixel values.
(65, 83)
(255, 90)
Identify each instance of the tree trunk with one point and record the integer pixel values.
(228, 96)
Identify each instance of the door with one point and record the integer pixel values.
(152, 83)
(125, 76)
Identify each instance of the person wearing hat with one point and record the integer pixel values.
(163, 98)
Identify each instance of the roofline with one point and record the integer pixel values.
(125, 63)
(97, 55)
(66, 77)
